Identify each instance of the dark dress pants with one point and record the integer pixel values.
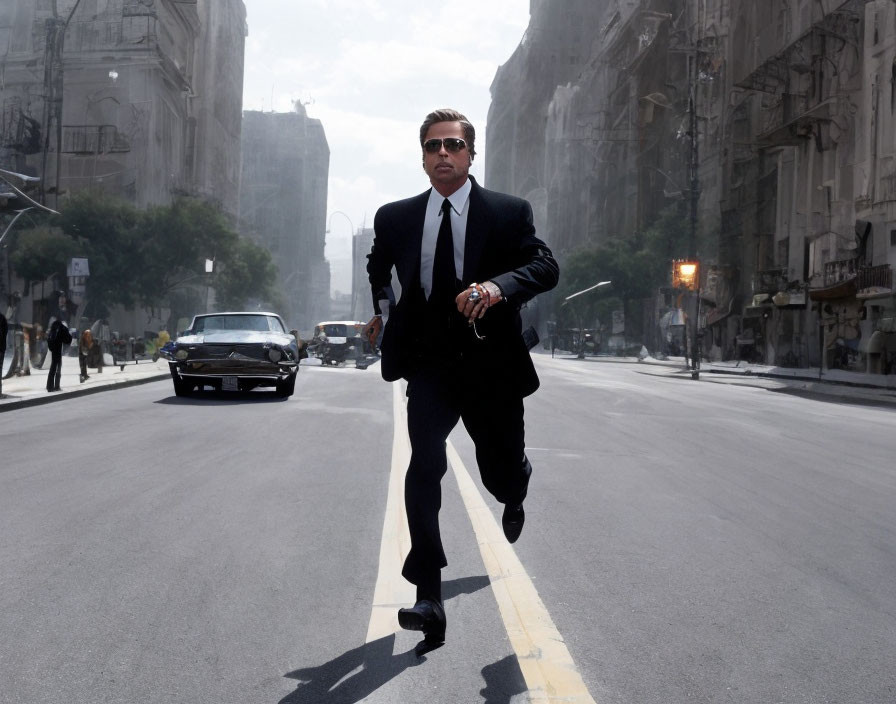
(55, 370)
(437, 398)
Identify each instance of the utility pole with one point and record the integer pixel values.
(54, 87)
(694, 174)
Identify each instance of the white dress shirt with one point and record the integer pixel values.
(460, 202)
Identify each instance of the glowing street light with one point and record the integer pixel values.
(685, 275)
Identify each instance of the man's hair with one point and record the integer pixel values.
(449, 115)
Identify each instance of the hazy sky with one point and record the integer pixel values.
(371, 70)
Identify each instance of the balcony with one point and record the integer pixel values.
(838, 281)
(840, 270)
(791, 121)
(93, 139)
(874, 281)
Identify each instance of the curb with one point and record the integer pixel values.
(794, 377)
(11, 402)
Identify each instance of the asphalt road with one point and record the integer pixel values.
(691, 541)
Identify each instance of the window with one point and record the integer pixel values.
(893, 238)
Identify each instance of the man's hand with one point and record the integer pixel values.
(478, 298)
(373, 329)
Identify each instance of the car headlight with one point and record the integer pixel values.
(181, 354)
(275, 354)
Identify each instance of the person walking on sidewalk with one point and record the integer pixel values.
(58, 336)
(85, 343)
(458, 343)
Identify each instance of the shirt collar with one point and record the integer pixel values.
(458, 199)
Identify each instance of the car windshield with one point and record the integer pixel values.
(337, 330)
(261, 323)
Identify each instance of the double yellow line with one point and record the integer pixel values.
(548, 668)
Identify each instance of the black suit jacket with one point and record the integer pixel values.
(501, 246)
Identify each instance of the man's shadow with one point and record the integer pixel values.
(354, 675)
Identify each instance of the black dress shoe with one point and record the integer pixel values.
(427, 616)
(512, 521)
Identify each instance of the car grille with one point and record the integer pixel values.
(231, 367)
(234, 352)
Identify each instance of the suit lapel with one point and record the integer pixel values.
(477, 233)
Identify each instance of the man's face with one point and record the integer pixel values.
(447, 170)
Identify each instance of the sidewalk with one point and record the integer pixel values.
(31, 390)
(849, 386)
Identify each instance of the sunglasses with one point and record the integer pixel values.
(452, 144)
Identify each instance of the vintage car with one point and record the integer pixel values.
(335, 342)
(234, 352)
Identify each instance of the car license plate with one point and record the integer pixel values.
(230, 383)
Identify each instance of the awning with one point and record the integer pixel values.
(785, 299)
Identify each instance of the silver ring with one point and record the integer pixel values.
(474, 295)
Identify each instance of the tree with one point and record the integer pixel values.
(157, 257)
(636, 268)
(106, 231)
(247, 275)
(176, 240)
(42, 252)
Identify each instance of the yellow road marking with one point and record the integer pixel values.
(392, 591)
(548, 668)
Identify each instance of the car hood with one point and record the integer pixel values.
(241, 337)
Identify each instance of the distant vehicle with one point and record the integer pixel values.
(335, 341)
(234, 352)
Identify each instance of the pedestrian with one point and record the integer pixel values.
(58, 336)
(85, 344)
(466, 259)
(4, 330)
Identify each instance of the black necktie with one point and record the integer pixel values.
(443, 273)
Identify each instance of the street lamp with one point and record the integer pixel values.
(686, 275)
(209, 271)
(580, 316)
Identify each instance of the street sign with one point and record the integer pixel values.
(78, 266)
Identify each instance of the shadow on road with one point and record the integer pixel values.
(356, 674)
(352, 676)
(888, 404)
(224, 398)
(464, 585)
(503, 681)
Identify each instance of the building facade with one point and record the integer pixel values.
(283, 206)
(139, 99)
(362, 244)
(770, 125)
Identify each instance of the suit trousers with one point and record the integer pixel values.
(439, 396)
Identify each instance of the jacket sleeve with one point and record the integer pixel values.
(379, 264)
(536, 270)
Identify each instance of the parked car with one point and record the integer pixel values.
(234, 352)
